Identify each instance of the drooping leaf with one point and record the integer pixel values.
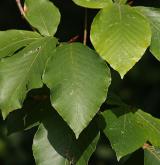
(22, 72)
(152, 156)
(43, 15)
(55, 143)
(124, 132)
(93, 3)
(78, 79)
(120, 35)
(128, 130)
(153, 14)
(12, 40)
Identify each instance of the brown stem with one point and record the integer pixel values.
(85, 28)
(20, 7)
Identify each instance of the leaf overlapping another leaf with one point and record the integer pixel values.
(22, 72)
(128, 130)
(78, 80)
(55, 143)
(12, 40)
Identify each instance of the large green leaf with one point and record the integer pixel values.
(42, 15)
(55, 143)
(120, 35)
(78, 79)
(12, 40)
(22, 72)
(93, 3)
(151, 155)
(153, 14)
(128, 130)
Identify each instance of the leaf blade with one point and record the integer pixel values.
(22, 72)
(49, 140)
(43, 15)
(12, 40)
(81, 75)
(93, 4)
(120, 35)
(153, 15)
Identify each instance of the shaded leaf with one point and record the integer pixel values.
(93, 3)
(152, 155)
(120, 35)
(55, 143)
(31, 115)
(22, 72)
(12, 40)
(43, 15)
(79, 86)
(153, 15)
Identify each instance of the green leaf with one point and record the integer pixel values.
(93, 3)
(22, 72)
(121, 1)
(42, 15)
(153, 15)
(12, 40)
(124, 132)
(150, 125)
(78, 79)
(152, 155)
(55, 143)
(128, 129)
(120, 35)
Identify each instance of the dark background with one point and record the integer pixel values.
(140, 87)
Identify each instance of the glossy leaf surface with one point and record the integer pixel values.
(120, 35)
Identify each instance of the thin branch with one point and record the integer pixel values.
(20, 7)
(85, 27)
(73, 39)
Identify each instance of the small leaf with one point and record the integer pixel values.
(128, 129)
(12, 40)
(22, 72)
(55, 143)
(150, 125)
(42, 15)
(93, 3)
(125, 134)
(152, 155)
(78, 79)
(120, 35)
(153, 14)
